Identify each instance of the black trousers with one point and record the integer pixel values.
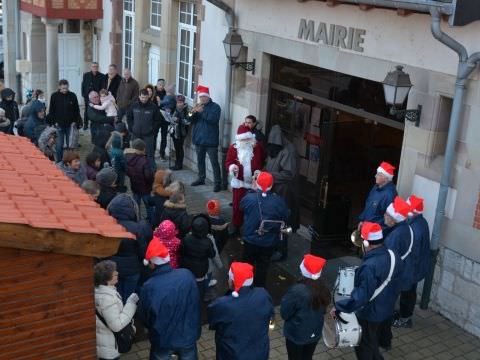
(179, 152)
(407, 301)
(259, 257)
(385, 334)
(368, 348)
(163, 134)
(300, 352)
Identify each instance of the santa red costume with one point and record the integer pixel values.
(244, 157)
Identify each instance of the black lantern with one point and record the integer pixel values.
(233, 45)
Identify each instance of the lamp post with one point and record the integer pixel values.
(396, 87)
(233, 45)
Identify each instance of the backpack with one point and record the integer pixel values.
(124, 338)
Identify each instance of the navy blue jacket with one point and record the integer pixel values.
(377, 202)
(368, 277)
(273, 207)
(303, 325)
(398, 240)
(130, 254)
(169, 307)
(421, 247)
(241, 324)
(206, 129)
(34, 122)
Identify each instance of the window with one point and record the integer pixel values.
(128, 33)
(187, 30)
(156, 14)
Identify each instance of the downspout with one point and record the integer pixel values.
(227, 121)
(17, 50)
(466, 66)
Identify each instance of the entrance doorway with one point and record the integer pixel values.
(339, 146)
(153, 64)
(70, 59)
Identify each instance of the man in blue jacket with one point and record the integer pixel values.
(421, 254)
(169, 307)
(259, 243)
(376, 287)
(205, 118)
(380, 196)
(241, 319)
(398, 240)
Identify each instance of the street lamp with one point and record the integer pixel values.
(233, 45)
(396, 87)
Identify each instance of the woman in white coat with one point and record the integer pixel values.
(108, 304)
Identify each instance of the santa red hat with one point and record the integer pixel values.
(265, 182)
(241, 274)
(243, 132)
(157, 253)
(387, 170)
(371, 233)
(213, 207)
(203, 91)
(398, 209)
(416, 205)
(311, 266)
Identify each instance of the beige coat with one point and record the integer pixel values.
(109, 304)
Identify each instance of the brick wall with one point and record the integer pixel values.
(476, 219)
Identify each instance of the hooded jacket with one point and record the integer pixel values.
(45, 147)
(130, 254)
(117, 158)
(159, 194)
(139, 171)
(79, 176)
(10, 107)
(177, 213)
(34, 125)
(166, 232)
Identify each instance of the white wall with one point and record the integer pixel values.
(104, 45)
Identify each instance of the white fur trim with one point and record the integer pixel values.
(145, 262)
(396, 216)
(414, 211)
(232, 167)
(203, 94)
(366, 243)
(248, 282)
(245, 135)
(264, 194)
(378, 235)
(160, 261)
(238, 184)
(308, 274)
(235, 294)
(383, 172)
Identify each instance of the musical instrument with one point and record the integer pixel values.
(356, 238)
(344, 283)
(344, 331)
(284, 229)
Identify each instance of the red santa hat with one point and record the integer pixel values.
(157, 253)
(265, 182)
(311, 266)
(387, 170)
(398, 209)
(241, 274)
(213, 207)
(371, 233)
(243, 132)
(416, 205)
(203, 91)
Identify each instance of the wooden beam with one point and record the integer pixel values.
(20, 236)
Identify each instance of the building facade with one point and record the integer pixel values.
(319, 72)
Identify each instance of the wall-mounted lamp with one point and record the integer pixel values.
(233, 45)
(396, 86)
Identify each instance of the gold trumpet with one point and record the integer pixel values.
(356, 239)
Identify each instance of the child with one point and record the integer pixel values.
(107, 180)
(167, 234)
(91, 188)
(108, 104)
(121, 128)
(4, 122)
(140, 173)
(47, 141)
(163, 178)
(101, 141)
(93, 165)
(72, 167)
(219, 224)
(175, 210)
(118, 160)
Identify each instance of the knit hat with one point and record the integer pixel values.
(138, 144)
(387, 170)
(398, 209)
(203, 91)
(371, 233)
(180, 98)
(265, 182)
(106, 177)
(241, 275)
(213, 207)
(166, 230)
(311, 266)
(416, 205)
(243, 132)
(156, 254)
(121, 127)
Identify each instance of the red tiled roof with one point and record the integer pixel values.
(33, 191)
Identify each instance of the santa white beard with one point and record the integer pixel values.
(245, 151)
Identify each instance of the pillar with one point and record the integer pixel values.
(51, 30)
(9, 43)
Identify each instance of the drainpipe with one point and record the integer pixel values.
(227, 121)
(466, 66)
(17, 49)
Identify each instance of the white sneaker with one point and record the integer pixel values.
(212, 283)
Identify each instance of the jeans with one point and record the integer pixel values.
(368, 348)
(186, 353)
(408, 299)
(179, 152)
(146, 201)
(259, 257)
(212, 152)
(300, 352)
(127, 285)
(63, 134)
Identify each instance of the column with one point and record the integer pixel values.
(51, 29)
(9, 43)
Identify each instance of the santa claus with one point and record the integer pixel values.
(244, 158)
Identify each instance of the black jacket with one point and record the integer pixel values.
(139, 171)
(143, 119)
(114, 84)
(197, 248)
(92, 82)
(64, 109)
(106, 195)
(156, 202)
(10, 107)
(177, 213)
